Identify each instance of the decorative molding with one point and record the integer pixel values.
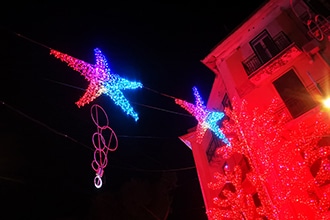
(275, 64)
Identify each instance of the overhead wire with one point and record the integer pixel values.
(144, 105)
(72, 86)
(76, 87)
(44, 125)
(86, 146)
(32, 41)
(49, 48)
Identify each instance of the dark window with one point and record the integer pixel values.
(256, 200)
(226, 102)
(215, 143)
(294, 94)
(319, 6)
(229, 187)
(245, 167)
(264, 46)
(318, 166)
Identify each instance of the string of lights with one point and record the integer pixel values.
(101, 145)
(271, 152)
(55, 131)
(103, 81)
(140, 104)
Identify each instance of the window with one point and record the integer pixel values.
(319, 6)
(320, 164)
(214, 144)
(226, 102)
(245, 166)
(264, 46)
(229, 187)
(294, 94)
(256, 199)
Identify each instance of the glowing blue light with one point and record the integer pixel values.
(102, 81)
(206, 119)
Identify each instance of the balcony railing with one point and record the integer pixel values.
(281, 59)
(253, 63)
(320, 28)
(214, 144)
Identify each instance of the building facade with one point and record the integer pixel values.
(272, 74)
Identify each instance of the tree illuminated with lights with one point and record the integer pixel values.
(280, 161)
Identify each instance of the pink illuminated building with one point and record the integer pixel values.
(272, 74)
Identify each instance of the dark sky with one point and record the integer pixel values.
(160, 45)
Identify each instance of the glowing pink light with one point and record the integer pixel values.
(206, 119)
(102, 81)
(101, 145)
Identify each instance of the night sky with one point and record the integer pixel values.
(46, 146)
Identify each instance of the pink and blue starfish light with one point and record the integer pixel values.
(206, 119)
(102, 81)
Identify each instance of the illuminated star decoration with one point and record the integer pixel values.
(206, 119)
(102, 81)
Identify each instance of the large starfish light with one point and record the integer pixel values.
(102, 81)
(206, 119)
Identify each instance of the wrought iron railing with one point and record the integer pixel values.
(253, 63)
(319, 28)
(214, 144)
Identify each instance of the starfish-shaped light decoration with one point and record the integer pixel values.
(206, 119)
(102, 81)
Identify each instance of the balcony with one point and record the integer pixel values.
(320, 28)
(264, 70)
(253, 63)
